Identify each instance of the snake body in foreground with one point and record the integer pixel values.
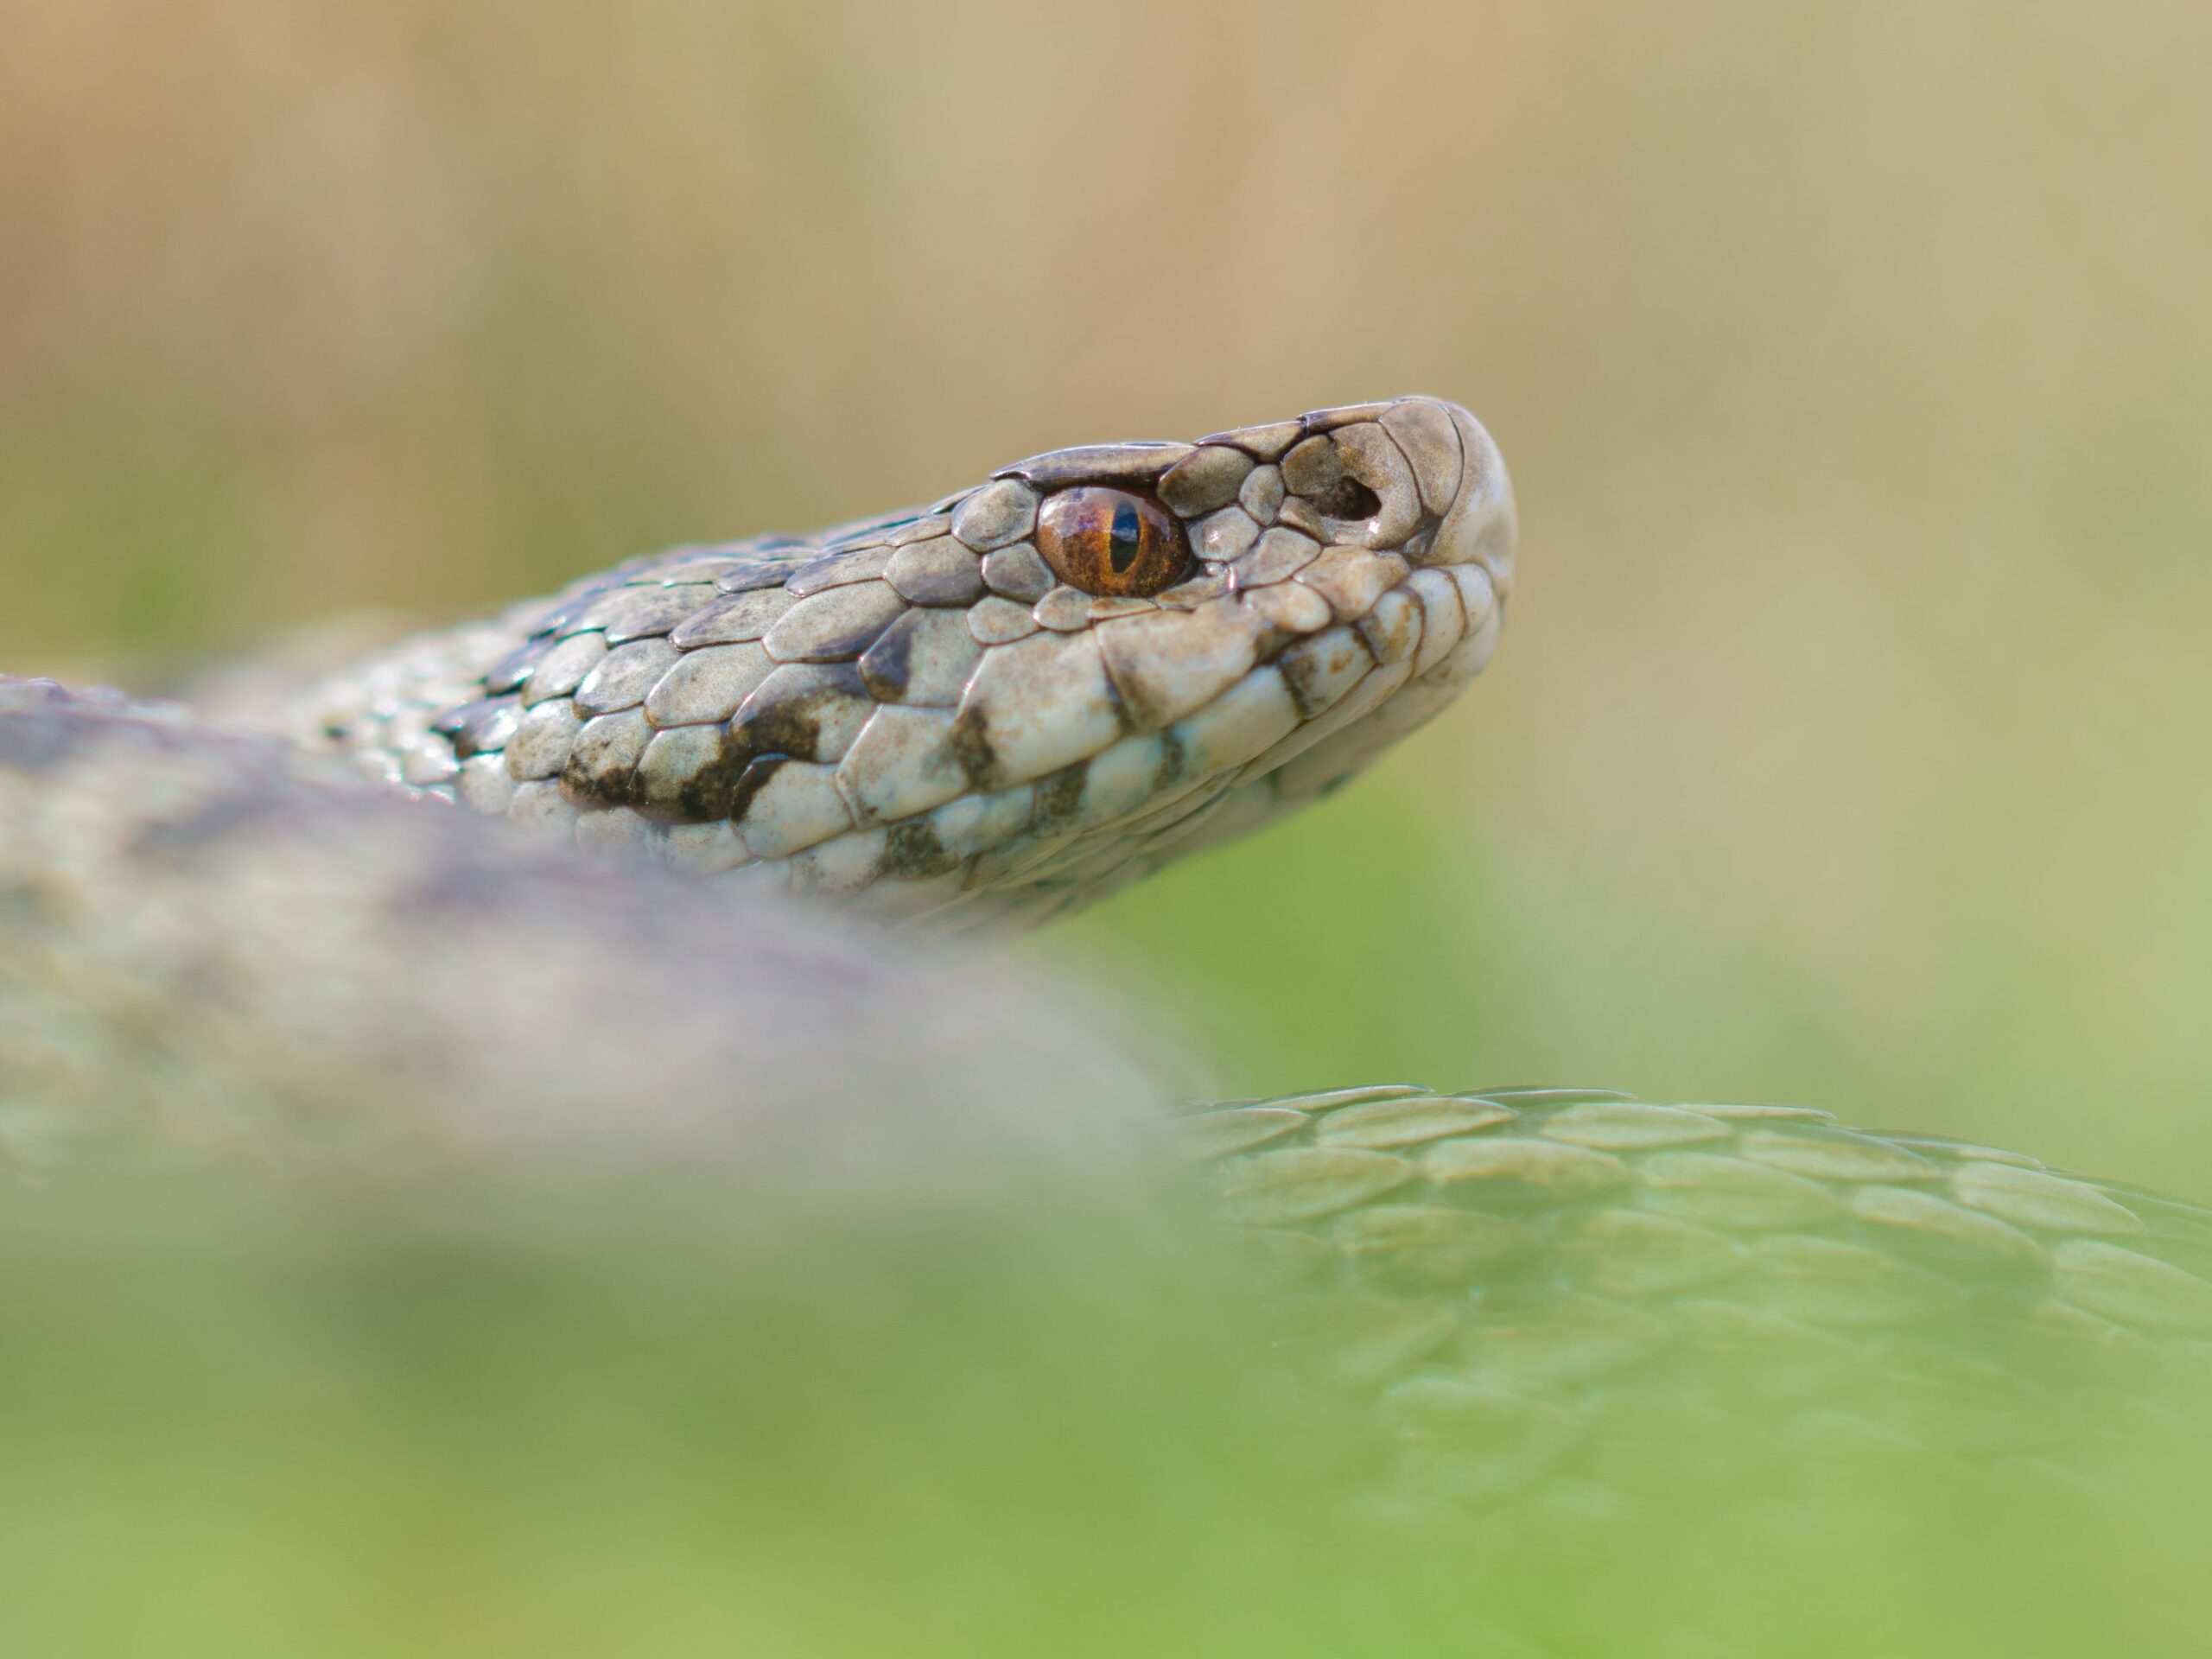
(992, 710)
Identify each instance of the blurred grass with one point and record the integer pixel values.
(1852, 360)
(466, 1417)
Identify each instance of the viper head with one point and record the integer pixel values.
(1012, 701)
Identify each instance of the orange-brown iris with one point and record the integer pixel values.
(1110, 543)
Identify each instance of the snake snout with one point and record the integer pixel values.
(1417, 476)
(1433, 505)
(1476, 524)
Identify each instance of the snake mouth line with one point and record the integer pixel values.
(1005, 703)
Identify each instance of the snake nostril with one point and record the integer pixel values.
(1347, 498)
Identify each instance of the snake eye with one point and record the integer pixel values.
(1110, 543)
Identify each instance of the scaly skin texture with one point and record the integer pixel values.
(224, 941)
(1539, 1285)
(916, 715)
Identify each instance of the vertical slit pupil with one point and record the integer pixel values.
(1124, 538)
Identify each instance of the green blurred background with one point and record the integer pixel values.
(1853, 362)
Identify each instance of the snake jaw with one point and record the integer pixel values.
(925, 715)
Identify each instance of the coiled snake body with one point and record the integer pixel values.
(992, 710)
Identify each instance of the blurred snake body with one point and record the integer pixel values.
(986, 712)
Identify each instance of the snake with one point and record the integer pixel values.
(705, 850)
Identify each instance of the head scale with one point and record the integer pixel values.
(1001, 706)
